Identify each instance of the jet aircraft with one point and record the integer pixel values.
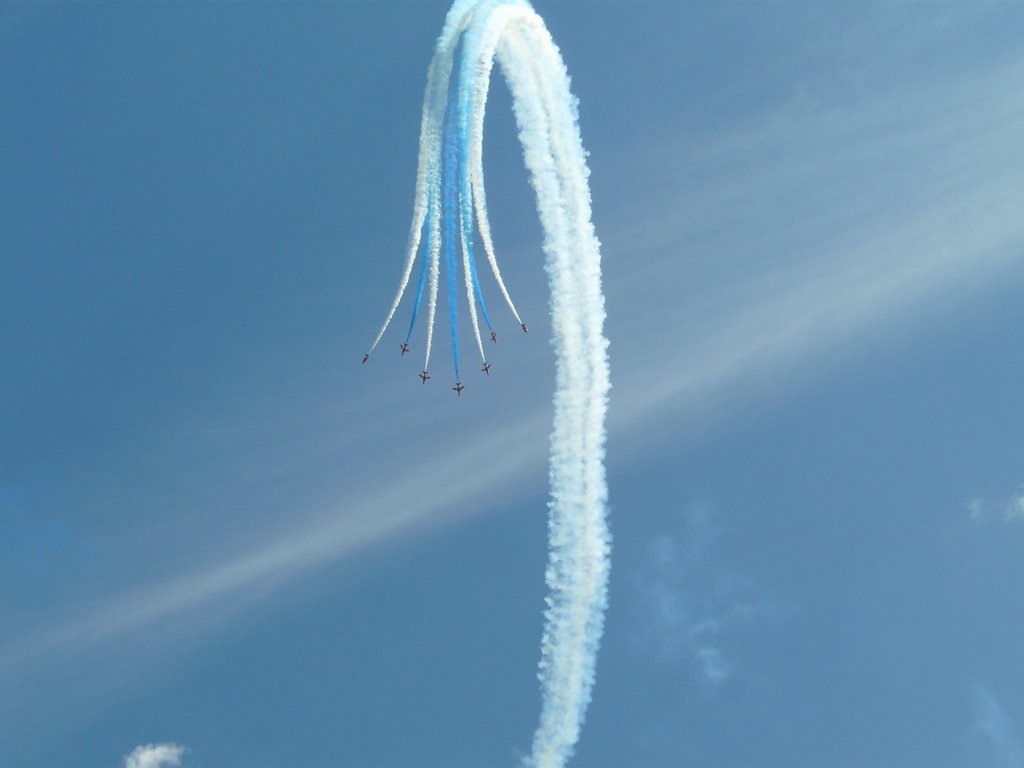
(458, 389)
(366, 357)
(405, 347)
(424, 376)
(487, 368)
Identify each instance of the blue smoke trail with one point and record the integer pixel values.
(451, 154)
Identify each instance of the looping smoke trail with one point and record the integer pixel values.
(510, 32)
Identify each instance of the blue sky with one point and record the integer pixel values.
(218, 530)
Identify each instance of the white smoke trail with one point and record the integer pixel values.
(463, 97)
(482, 79)
(577, 573)
(470, 296)
(435, 269)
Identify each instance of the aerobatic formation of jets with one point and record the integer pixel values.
(425, 376)
(450, 202)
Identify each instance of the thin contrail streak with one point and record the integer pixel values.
(510, 32)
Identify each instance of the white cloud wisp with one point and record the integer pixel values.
(155, 756)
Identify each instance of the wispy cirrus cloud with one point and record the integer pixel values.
(1008, 509)
(363, 519)
(820, 232)
(994, 733)
(690, 605)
